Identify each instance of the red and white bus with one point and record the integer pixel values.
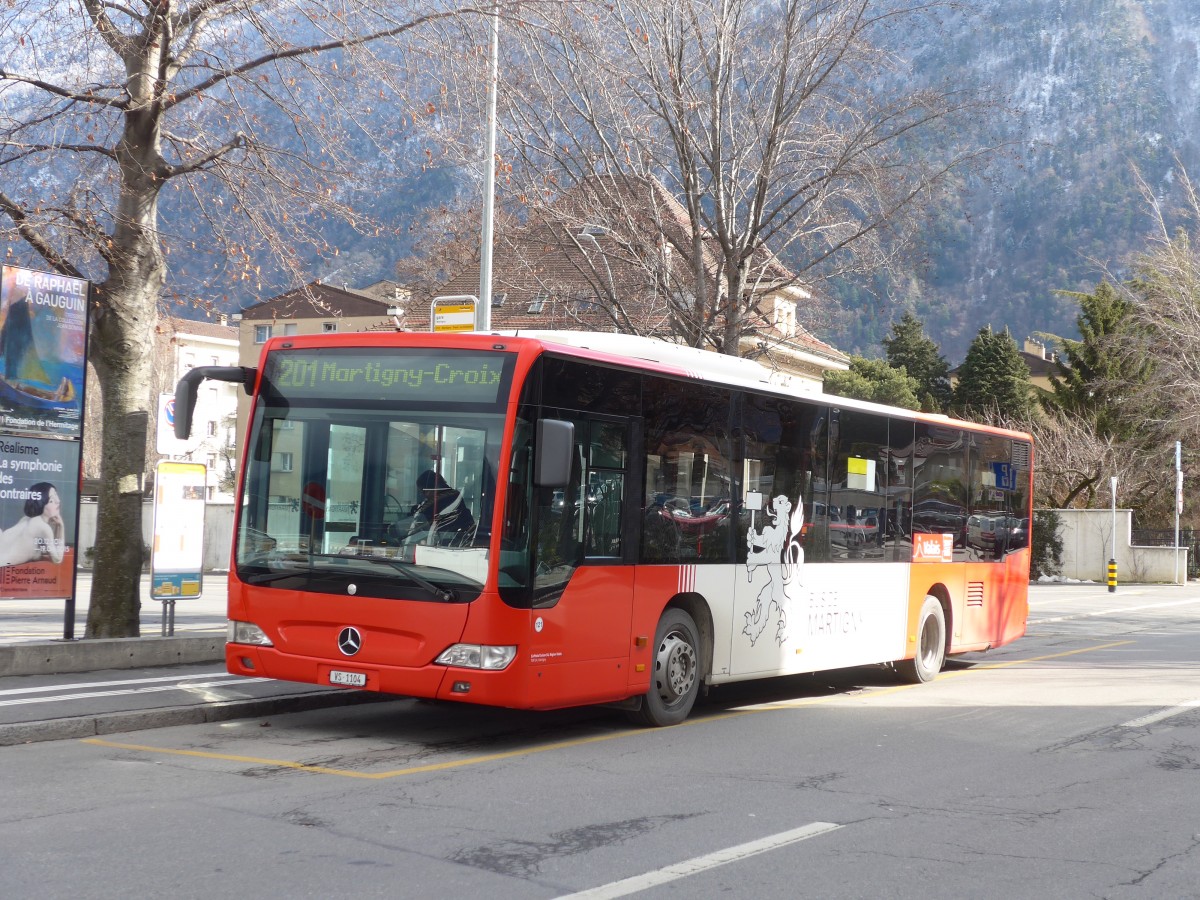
(540, 520)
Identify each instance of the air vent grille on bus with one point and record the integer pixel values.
(974, 593)
(1020, 454)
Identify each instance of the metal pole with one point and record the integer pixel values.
(483, 317)
(1178, 501)
(1112, 560)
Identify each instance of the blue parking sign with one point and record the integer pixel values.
(1005, 475)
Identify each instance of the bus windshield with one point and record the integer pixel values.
(373, 472)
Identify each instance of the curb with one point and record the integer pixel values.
(78, 727)
(58, 657)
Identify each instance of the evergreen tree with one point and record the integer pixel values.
(993, 380)
(909, 348)
(1097, 372)
(874, 380)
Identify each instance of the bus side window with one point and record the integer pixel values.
(858, 487)
(688, 474)
(608, 454)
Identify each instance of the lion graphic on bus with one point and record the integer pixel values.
(776, 548)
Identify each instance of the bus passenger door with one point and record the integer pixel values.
(583, 584)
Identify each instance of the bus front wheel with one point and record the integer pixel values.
(931, 645)
(675, 676)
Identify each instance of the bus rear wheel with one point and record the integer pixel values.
(675, 676)
(931, 645)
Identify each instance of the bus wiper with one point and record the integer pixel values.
(406, 568)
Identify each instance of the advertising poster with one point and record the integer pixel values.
(177, 556)
(43, 333)
(39, 498)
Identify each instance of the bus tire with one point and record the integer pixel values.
(675, 671)
(931, 645)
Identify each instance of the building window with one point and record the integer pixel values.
(212, 461)
(261, 333)
(212, 429)
(289, 328)
(498, 299)
(281, 462)
(538, 303)
(328, 326)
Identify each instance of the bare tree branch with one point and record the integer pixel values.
(59, 91)
(36, 239)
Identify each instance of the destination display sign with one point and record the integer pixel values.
(401, 375)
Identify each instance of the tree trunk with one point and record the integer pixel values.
(123, 364)
(122, 347)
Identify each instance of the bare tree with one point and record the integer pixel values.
(234, 115)
(1164, 294)
(775, 126)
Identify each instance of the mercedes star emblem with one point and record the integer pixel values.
(349, 641)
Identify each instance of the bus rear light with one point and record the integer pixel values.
(477, 656)
(246, 633)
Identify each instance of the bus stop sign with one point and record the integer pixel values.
(453, 314)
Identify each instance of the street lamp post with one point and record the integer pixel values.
(484, 316)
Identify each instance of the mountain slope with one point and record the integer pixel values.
(1098, 91)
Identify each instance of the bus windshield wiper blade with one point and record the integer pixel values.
(406, 569)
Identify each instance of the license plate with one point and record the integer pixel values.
(350, 679)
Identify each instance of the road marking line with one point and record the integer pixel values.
(154, 689)
(349, 773)
(698, 864)
(1109, 612)
(883, 692)
(559, 745)
(1162, 714)
(83, 685)
(1021, 662)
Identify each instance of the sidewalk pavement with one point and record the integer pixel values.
(153, 681)
(34, 633)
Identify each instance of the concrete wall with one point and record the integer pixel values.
(218, 532)
(1087, 546)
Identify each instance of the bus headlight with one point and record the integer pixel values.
(246, 633)
(477, 656)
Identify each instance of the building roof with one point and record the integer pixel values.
(199, 327)
(317, 300)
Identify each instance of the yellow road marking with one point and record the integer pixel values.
(561, 745)
(883, 692)
(411, 770)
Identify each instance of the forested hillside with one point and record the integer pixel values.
(1096, 90)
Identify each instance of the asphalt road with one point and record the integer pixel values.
(1064, 765)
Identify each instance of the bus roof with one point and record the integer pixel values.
(707, 365)
(645, 353)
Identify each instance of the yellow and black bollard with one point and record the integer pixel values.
(1112, 576)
